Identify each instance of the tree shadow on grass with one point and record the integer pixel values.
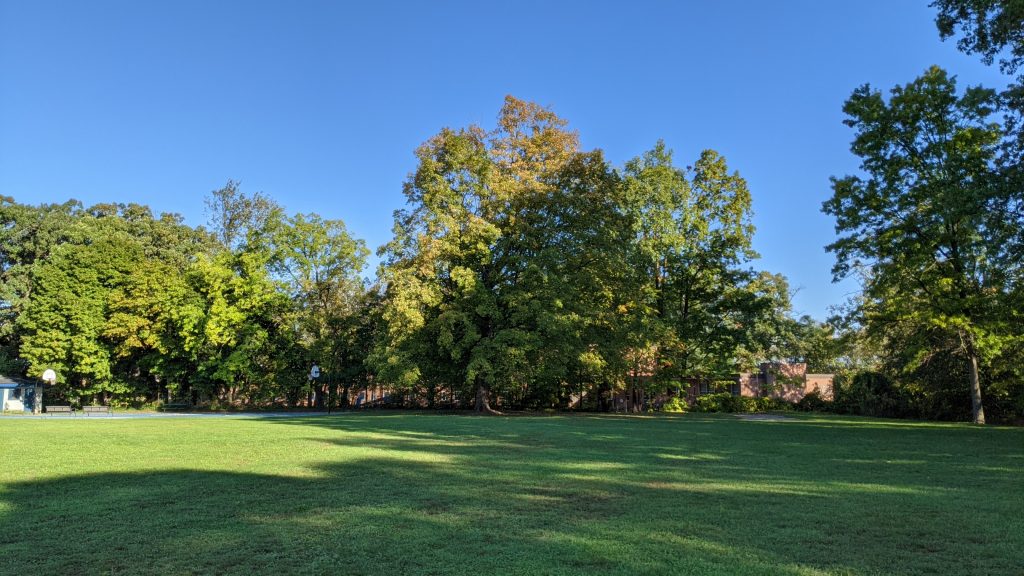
(368, 517)
(408, 494)
(853, 497)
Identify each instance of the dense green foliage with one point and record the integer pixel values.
(528, 272)
(992, 28)
(422, 494)
(730, 403)
(524, 271)
(933, 230)
(128, 307)
(928, 225)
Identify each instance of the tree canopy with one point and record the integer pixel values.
(927, 224)
(526, 272)
(530, 271)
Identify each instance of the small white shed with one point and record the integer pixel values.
(15, 396)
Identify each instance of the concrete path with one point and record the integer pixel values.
(135, 415)
(763, 417)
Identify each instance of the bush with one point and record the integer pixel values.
(813, 402)
(726, 402)
(745, 404)
(675, 404)
(873, 394)
(766, 404)
(712, 402)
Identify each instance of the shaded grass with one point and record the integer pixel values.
(429, 494)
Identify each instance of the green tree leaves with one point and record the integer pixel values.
(527, 271)
(924, 222)
(523, 272)
(124, 305)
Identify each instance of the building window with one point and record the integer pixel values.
(702, 388)
(734, 389)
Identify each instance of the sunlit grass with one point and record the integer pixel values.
(433, 494)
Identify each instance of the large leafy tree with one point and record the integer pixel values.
(126, 306)
(28, 235)
(68, 318)
(500, 255)
(926, 223)
(570, 290)
(230, 330)
(318, 264)
(64, 321)
(696, 309)
(146, 313)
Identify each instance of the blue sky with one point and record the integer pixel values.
(321, 104)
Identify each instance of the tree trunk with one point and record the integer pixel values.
(483, 400)
(977, 410)
(636, 399)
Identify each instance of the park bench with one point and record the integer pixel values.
(96, 410)
(60, 410)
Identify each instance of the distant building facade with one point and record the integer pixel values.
(782, 380)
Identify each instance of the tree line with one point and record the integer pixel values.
(526, 272)
(523, 272)
(127, 306)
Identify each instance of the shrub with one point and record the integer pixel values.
(712, 402)
(873, 394)
(674, 404)
(745, 404)
(773, 404)
(726, 402)
(813, 402)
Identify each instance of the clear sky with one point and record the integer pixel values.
(321, 104)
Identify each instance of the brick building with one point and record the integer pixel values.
(786, 381)
(789, 382)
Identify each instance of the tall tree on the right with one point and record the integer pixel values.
(927, 223)
(992, 28)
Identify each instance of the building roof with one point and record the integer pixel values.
(11, 382)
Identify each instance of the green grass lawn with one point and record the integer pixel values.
(435, 494)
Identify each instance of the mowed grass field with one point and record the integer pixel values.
(401, 493)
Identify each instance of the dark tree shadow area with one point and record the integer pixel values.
(415, 494)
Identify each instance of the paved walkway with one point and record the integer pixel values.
(134, 415)
(766, 417)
